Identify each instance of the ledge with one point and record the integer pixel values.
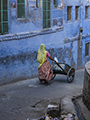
(71, 39)
(18, 36)
(67, 40)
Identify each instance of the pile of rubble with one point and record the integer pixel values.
(68, 116)
(53, 113)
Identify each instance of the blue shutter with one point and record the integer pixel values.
(21, 8)
(46, 14)
(3, 16)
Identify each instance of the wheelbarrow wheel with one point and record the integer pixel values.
(53, 76)
(70, 75)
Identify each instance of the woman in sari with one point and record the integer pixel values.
(45, 71)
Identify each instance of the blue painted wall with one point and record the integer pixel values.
(18, 49)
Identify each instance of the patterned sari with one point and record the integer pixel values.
(45, 72)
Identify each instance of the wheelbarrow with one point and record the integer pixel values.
(65, 69)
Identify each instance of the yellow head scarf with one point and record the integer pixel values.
(41, 57)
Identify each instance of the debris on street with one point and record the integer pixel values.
(68, 116)
(47, 117)
(53, 112)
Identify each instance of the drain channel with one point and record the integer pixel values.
(79, 114)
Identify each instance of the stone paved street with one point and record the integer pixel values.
(28, 99)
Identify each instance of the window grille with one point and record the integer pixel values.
(20, 8)
(46, 14)
(3, 16)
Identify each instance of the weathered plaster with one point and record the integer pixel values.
(18, 56)
(18, 49)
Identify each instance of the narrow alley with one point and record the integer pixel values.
(29, 99)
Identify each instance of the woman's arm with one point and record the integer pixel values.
(52, 59)
(48, 55)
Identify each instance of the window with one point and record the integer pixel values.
(86, 12)
(55, 3)
(76, 12)
(69, 13)
(37, 3)
(3, 16)
(46, 14)
(86, 49)
(20, 8)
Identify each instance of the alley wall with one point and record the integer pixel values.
(18, 49)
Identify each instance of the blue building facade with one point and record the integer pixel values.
(62, 25)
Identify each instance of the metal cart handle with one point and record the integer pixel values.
(61, 68)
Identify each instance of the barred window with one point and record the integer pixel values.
(46, 14)
(20, 8)
(3, 17)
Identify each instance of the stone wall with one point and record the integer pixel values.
(86, 87)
